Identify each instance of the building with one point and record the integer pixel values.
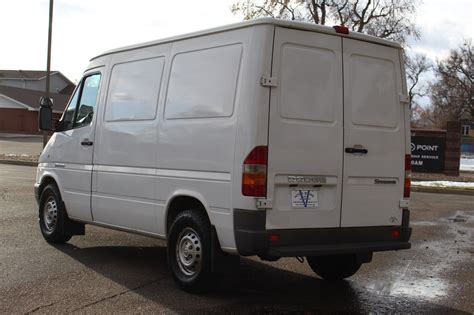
(467, 137)
(20, 91)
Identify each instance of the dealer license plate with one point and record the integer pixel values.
(304, 199)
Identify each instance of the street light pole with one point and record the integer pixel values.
(48, 62)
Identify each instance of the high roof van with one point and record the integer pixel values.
(268, 137)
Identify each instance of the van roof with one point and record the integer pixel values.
(261, 21)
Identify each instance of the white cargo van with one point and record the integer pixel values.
(269, 138)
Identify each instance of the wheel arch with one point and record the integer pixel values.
(47, 179)
(183, 200)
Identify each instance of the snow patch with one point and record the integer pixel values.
(467, 163)
(444, 184)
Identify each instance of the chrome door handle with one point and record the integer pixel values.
(59, 165)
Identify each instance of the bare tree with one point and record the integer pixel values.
(390, 19)
(452, 95)
(415, 68)
(424, 117)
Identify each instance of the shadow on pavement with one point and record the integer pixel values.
(257, 288)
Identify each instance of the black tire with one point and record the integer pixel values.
(335, 267)
(190, 233)
(52, 216)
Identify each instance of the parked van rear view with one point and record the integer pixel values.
(268, 137)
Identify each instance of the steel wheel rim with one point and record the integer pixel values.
(50, 214)
(189, 252)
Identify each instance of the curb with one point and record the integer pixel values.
(468, 192)
(16, 162)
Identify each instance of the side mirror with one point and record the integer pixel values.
(61, 125)
(45, 114)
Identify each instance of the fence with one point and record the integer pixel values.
(13, 120)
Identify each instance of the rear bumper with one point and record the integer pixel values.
(253, 239)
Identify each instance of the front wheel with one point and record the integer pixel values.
(52, 216)
(335, 267)
(189, 251)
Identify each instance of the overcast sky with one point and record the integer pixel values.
(85, 28)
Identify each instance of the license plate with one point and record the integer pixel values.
(304, 199)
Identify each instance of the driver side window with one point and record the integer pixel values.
(80, 110)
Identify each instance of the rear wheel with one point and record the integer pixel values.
(335, 267)
(189, 251)
(52, 216)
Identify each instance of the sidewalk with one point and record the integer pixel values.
(464, 176)
(443, 184)
(443, 190)
(17, 135)
(19, 145)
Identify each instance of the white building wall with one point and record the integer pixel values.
(57, 83)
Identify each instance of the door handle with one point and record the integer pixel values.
(356, 150)
(87, 142)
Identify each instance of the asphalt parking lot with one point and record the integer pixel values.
(109, 271)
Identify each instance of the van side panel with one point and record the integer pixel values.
(406, 108)
(253, 110)
(124, 156)
(197, 127)
(209, 91)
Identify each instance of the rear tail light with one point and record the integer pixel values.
(407, 184)
(254, 175)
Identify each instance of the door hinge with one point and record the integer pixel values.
(269, 81)
(264, 204)
(404, 99)
(404, 203)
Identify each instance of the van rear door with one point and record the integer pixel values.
(336, 146)
(305, 133)
(374, 135)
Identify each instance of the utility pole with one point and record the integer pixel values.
(48, 62)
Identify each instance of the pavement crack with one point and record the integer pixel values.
(118, 294)
(40, 307)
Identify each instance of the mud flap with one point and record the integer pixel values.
(72, 227)
(222, 263)
(364, 257)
